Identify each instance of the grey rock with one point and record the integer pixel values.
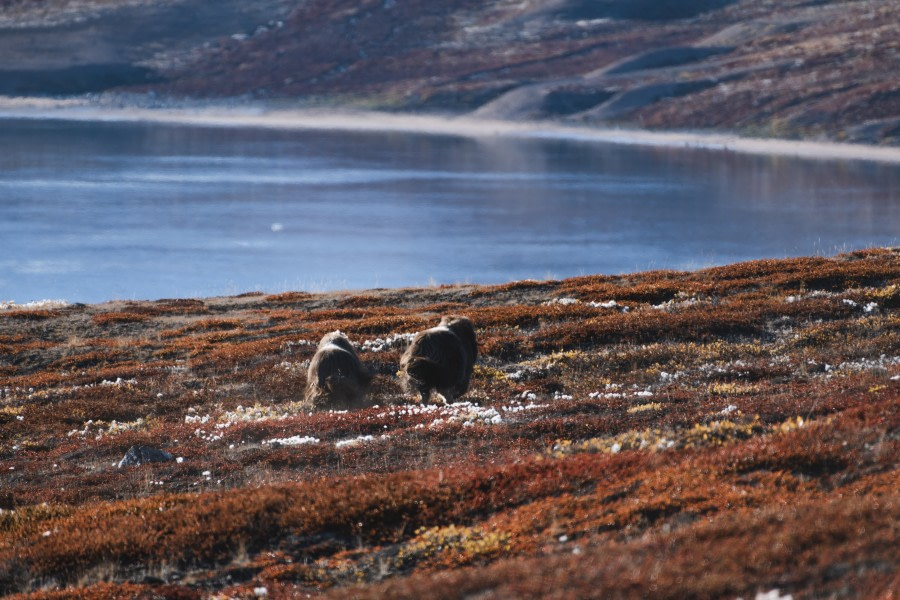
(138, 455)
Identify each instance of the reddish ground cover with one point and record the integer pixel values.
(719, 433)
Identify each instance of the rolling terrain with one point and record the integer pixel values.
(730, 432)
(790, 69)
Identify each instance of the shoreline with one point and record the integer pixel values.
(8, 304)
(214, 114)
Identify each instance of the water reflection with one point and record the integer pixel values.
(91, 212)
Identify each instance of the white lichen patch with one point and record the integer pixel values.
(192, 419)
(774, 594)
(294, 367)
(301, 343)
(36, 304)
(362, 439)
(294, 440)
(813, 294)
(528, 372)
(526, 401)
(216, 425)
(259, 412)
(119, 382)
(611, 392)
(515, 407)
(882, 363)
(676, 303)
(467, 414)
(736, 368)
(666, 377)
(395, 341)
(207, 436)
(562, 301)
(605, 395)
(610, 304)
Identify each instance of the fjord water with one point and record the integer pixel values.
(94, 211)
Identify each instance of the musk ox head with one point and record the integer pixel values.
(441, 358)
(336, 378)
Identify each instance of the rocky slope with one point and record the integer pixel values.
(794, 68)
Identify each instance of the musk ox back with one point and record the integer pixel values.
(441, 358)
(336, 378)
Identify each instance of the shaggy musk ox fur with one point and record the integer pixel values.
(441, 358)
(336, 378)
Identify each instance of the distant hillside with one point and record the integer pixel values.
(794, 68)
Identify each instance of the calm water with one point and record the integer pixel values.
(92, 212)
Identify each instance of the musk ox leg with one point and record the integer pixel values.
(413, 388)
(425, 394)
(447, 395)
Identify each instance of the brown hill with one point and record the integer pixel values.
(791, 68)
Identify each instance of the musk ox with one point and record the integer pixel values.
(441, 358)
(336, 378)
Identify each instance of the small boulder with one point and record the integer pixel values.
(7, 501)
(138, 455)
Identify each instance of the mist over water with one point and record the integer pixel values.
(100, 211)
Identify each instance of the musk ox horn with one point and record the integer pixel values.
(336, 378)
(441, 359)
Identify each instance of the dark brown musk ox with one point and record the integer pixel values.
(441, 359)
(336, 378)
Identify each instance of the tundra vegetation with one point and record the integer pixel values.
(729, 432)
